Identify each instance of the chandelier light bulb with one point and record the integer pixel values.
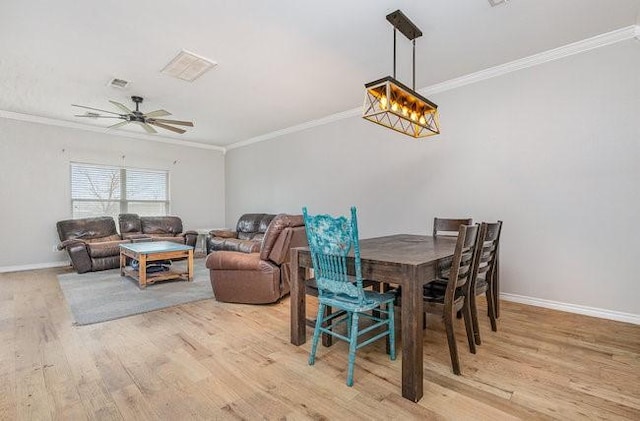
(383, 102)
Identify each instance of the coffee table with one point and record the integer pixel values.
(153, 251)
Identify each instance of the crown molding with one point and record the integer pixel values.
(73, 125)
(588, 44)
(573, 308)
(297, 128)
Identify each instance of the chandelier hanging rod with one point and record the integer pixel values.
(403, 24)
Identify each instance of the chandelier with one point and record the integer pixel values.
(392, 104)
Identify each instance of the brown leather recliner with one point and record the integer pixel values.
(247, 237)
(92, 243)
(258, 278)
(156, 228)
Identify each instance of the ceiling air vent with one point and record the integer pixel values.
(118, 83)
(188, 66)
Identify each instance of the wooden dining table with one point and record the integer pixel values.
(403, 259)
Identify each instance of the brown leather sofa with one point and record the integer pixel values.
(92, 243)
(157, 228)
(258, 278)
(247, 237)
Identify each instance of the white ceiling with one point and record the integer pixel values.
(281, 63)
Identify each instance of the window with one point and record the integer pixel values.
(108, 191)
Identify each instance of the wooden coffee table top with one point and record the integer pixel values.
(149, 247)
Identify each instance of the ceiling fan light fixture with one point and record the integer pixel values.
(394, 105)
(188, 66)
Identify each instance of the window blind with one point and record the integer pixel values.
(98, 190)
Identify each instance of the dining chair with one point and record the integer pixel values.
(445, 297)
(484, 275)
(449, 227)
(330, 242)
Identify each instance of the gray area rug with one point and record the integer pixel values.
(100, 296)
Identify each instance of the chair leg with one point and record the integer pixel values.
(353, 343)
(316, 334)
(392, 332)
(491, 309)
(451, 339)
(327, 340)
(496, 287)
(473, 311)
(468, 325)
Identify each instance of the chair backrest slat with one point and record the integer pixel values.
(463, 259)
(486, 257)
(330, 242)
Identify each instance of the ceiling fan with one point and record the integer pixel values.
(146, 120)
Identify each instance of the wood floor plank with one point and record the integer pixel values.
(211, 360)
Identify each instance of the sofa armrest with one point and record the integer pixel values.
(190, 238)
(78, 253)
(66, 244)
(223, 233)
(232, 260)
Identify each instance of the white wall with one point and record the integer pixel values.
(552, 151)
(35, 177)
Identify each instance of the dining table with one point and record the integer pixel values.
(408, 260)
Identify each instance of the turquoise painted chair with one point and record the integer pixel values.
(330, 241)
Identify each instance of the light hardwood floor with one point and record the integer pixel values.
(210, 360)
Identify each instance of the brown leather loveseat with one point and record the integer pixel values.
(263, 277)
(156, 228)
(247, 237)
(92, 243)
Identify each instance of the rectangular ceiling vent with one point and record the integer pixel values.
(118, 83)
(188, 66)
(494, 3)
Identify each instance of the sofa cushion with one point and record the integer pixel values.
(86, 228)
(129, 223)
(106, 248)
(114, 237)
(276, 227)
(161, 225)
(253, 223)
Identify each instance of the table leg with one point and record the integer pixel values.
(412, 359)
(297, 302)
(123, 263)
(142, 270)
(190, 266)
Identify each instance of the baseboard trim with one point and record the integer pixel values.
(574, 308)
(34, 266)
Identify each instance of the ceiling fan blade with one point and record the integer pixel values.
(122, 107)
(167, 127)
(97, 116)
(95, 109)
(122, 123)
(176, 122)
(148, 128)
(158, 113)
